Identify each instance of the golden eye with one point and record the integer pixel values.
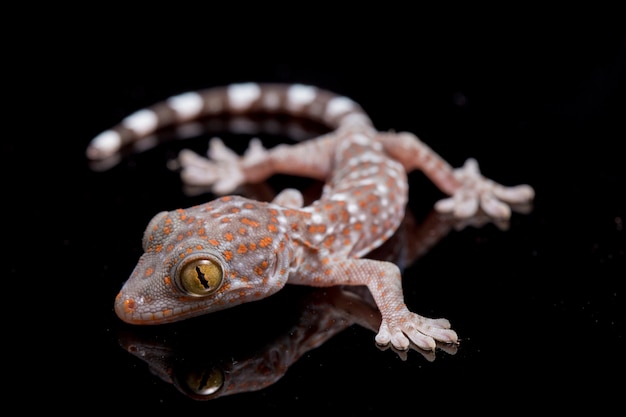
(200, 277)
(204, 382)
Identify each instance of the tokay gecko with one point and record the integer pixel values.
(235, 250)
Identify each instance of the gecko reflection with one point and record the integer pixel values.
(251, 357)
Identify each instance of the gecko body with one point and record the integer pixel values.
(234, 250)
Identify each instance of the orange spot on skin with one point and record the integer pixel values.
(272, 228)
(201, 231)
(264, 264)
(226, 220)
(375, 210)
(329, 241)
(242, 249)
(180, 237)
(266, 241)
(358, 226)
(167, 280)
(167, 230)
(228, 236)
(248, 205)
(149, 272)
(250, 222)
(226, 198)
(258, 270)
(242, 231)
(214, 242)
(252, 246)
(235, 210)
(167, 312)
(189, 250)
(170, 248)
(228, 255)
(317, 228)
(158, 248)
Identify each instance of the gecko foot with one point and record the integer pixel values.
(477, 192)
(410, 327)
(223, 170)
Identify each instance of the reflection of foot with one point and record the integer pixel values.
(477, 191)
(429, 355)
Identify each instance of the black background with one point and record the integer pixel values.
(539, 308)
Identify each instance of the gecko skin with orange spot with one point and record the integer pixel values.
(235, 250)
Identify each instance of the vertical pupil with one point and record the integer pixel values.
(201, 277)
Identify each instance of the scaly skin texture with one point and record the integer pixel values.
(234, 250)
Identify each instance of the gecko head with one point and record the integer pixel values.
(189, 267)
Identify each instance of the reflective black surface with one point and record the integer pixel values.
(539, 307)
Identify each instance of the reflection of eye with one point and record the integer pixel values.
(205, 381)
(200, 277)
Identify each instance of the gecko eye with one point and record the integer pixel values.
(203, 382)
(200, 277)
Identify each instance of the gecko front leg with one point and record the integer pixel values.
(399, 326)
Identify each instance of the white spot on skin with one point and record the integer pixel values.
(105, 144)
(300, 95)
(360, 139)
(339, 197)
(241, 96)
(337, 106)
(187, 105)
(141, 122)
